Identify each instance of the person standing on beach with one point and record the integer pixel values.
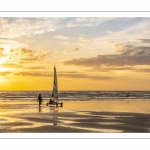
(40, 100)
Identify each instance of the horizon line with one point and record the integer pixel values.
(74, 11)
(76, 90)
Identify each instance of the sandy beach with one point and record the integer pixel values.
(126, 116)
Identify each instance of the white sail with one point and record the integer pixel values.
(55, 86)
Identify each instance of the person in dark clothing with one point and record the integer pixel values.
(51, 101)
(40, 100)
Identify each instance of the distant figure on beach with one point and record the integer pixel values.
(40, 100)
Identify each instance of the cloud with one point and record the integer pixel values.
(63, 74)
(24, 55)
(34, 74)
(10, 46)
(11, 65)
(136, 30)
(128, 55)
(5, 73)
(88, 21)
(31, 59)
(144, 40)
(79, 75)
(61, 37)
(127, 49)
(143, 70)
(26, 52)
(1, 51)
(26, 27)
(28, 60)
(114, 68)
(84, 39)
(35, 68)
(124, 69)
(74, 50)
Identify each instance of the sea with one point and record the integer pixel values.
(75, 95)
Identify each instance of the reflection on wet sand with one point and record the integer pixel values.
(40, 109)
(69, 122)
(75, 118)
(53, 108)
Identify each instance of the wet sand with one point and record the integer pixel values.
(127, 116)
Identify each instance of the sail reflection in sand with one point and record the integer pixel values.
(53, 109)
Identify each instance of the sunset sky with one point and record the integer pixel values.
(96, 53)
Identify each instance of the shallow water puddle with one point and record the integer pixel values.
(94, 129)
(114, 117)
(67, 122)
(109, 123)
(34, 125)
